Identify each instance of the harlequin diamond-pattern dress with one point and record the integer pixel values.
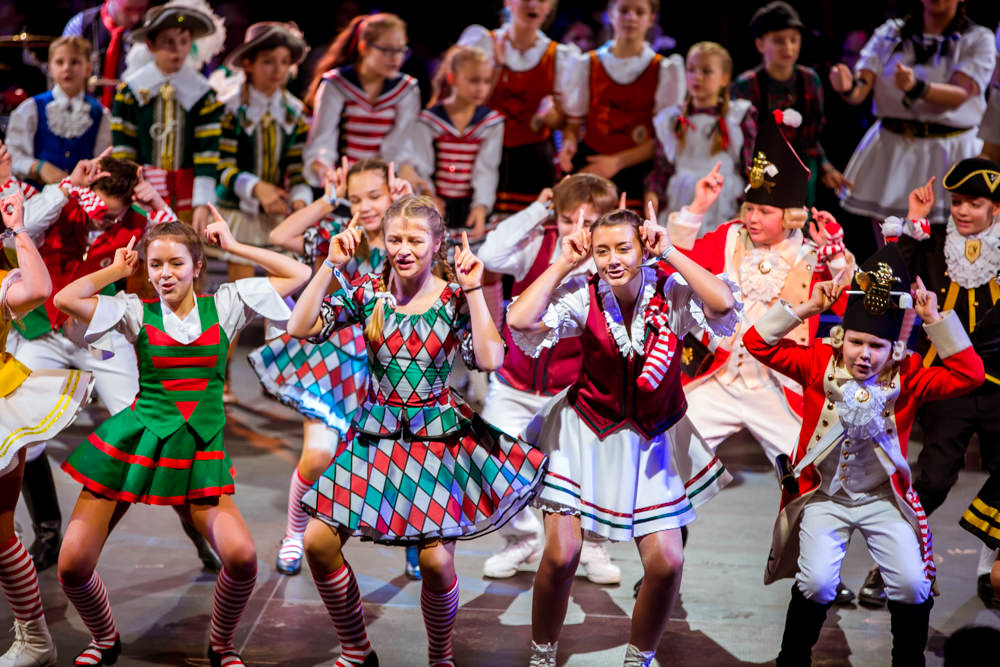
(327, 380)
(418, 463)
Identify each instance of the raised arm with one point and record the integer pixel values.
(35, 285)
(305, 320)
(286, 274)
(525, 314)
(79, 298)
(486, 341)
(290, 233)
(714, 293)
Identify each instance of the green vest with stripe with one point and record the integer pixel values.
(181, 384)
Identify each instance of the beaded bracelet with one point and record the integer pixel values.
(7, 233)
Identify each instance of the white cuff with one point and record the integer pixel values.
(686, 218)
(947, 334)
(203, 192)
(301, 192)
(777, 322)
(244, 184)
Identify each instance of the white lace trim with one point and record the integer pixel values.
(68, 123)
(762, 274)
(628, 343)
(972, 274)
(723, 326)
(861, 407)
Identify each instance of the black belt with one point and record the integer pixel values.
(921, 130)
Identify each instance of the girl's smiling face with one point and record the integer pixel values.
(617, 253)
(410, 246)
(369, 196)
(171, 269)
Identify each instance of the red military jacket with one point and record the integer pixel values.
(814, 367)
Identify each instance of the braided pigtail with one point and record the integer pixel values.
(682, 124)
(442, 267)
(720, 142)
(376, 324)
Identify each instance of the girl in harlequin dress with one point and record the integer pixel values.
(363, 106)
(34, 406)
(326, 381)
(527, 90)
(611, 97)
(418, 466)
(167, 448)
(613, 466)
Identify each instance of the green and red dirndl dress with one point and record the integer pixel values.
(166, 449)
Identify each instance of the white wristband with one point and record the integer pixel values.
(666, 253)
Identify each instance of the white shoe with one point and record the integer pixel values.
(597, 565)
(32, 646)
(519, 550)
(543, 655)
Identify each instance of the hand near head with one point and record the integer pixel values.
(925, 303)
(655, 238)
(12, 211)
(468, 267)
(87, 171)
(336, 180)
(576, 245)
(544, 197)
(921, 201)
(398, 187)
(707, 190)
(824, 228)
(826, 293)
(145, 195)
(217, 232)
(345, 244)
(126, 260)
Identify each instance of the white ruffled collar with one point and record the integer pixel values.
(67, 116)
(633, 342)
(972, 274)
(189, 86)
(284, 108)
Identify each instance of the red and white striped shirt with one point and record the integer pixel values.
(347, 123)
(462, 164)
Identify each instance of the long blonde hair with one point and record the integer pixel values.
(410, 207)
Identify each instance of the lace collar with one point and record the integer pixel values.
(252, 104)
(861, 404)
(629, 343)
(67, 117)
(983, 248)
(189, 86)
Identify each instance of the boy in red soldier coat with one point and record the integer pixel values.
(861, 393)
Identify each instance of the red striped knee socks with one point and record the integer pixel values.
(440, 611)
(340, 593)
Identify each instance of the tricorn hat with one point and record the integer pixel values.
(880, 295)
(776, 176)
(269, 35)
(975, 177)
(173, 15)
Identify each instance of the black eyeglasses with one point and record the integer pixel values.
(403, 53)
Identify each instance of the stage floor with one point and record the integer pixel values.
(725, 616)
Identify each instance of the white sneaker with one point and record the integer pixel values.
(597, 565)
(519, 550)
(543, 655)
(32, 646)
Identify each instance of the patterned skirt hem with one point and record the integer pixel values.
(302, 401)
(509, 507)
(120, 495)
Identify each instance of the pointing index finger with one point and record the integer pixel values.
(131, 244)
(392, 173)
(465, 242)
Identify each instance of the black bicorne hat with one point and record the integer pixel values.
(880, 295)
(975, 177)
(776, 176)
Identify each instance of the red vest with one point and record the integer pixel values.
(67, 255)
(517, 96)
(553, 369)
(620, 116)
(606, 394)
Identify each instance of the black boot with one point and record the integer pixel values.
(208, 558)
(40, 498)
(909, 623)
(802, 627)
